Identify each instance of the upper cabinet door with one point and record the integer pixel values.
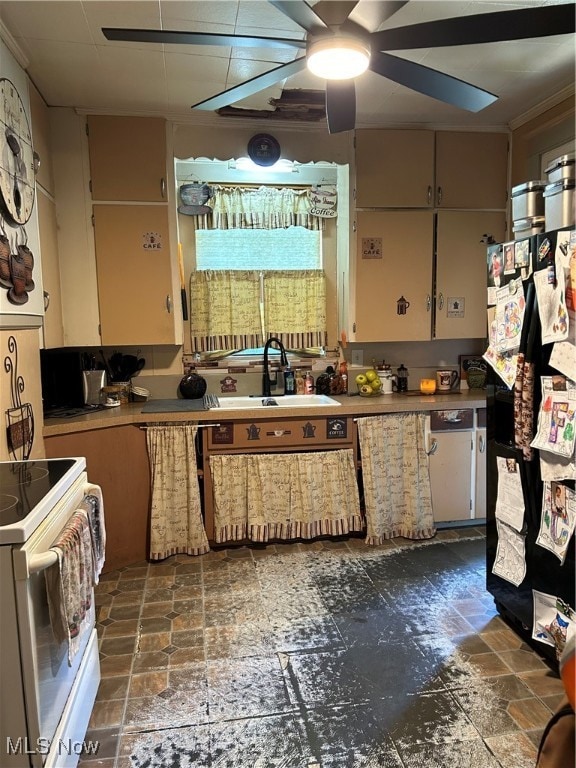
(461, 271)
(393, 276)
(471, 170)
(394, 169)
(135, 280)
(127, 158)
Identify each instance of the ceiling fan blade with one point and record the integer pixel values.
(431, 82)
(340, 105)
(254, 85)
(495, 27)
(301, 13)
(173, 37)
(371, 15)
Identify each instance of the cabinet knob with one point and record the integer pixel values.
(429, 194)
(46, 301)
(163, 188)
(439, 195)
(440, 301)
(168, 304)
(428, 303)
(481, 443)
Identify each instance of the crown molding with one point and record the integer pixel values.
(544, 106)
(13, 46)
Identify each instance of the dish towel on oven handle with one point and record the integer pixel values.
(93, 504)
(70, 582)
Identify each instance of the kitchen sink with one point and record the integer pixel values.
(280, 401)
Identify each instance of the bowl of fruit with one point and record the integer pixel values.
(369, 383)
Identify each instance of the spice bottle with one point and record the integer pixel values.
(309, 383)
(300, 384)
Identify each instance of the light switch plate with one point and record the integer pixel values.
(357, 357)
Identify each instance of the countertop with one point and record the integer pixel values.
(349, 406)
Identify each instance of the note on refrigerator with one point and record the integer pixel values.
(510, 560)
(556, 418)
(558, 518)
(510, 499)
(553, 620)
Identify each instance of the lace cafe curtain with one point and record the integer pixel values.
(240, 309)
(259, 208)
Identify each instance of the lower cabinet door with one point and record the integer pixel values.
(450, 457)
(480, 474)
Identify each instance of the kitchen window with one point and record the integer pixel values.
(287, 246)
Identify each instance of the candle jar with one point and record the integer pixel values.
(428, 386)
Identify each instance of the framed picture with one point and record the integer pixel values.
(473, 369)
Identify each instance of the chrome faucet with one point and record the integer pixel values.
(266, 381)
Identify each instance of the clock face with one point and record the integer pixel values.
(263, 149)
(17, 180)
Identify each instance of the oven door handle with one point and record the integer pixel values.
(42, 561)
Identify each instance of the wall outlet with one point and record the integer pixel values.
(358, 357)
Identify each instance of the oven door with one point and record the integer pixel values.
(58, 697)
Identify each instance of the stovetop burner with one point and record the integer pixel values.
(25, 483)
(66, 412)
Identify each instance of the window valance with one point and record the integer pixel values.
(259, 208)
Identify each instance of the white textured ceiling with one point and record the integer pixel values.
(73, 65)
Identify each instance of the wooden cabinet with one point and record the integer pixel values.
(128, 158)
(393, 262)
(450, 462)
(117, 461)
(444, 291)
(471, 170)
(480, 465)
(135, 276)
(480, 473)
(394, 169)
(425, 169)
(47, 227)
(134, 260)
(460, 295)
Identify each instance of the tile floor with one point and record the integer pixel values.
(322, 655)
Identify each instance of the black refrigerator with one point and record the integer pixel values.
(536, 597)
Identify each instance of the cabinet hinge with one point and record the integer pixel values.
(90, 186)
(354, 194)
(354, 327)
(99, 330)
(92, 218)
(353, 226)
(87, 130)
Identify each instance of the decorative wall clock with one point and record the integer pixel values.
(17, 163)
(263, 149)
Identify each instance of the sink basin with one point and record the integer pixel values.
(280, 401)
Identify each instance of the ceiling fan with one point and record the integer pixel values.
(349, 30)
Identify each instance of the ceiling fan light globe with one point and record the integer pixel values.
(338, 58)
